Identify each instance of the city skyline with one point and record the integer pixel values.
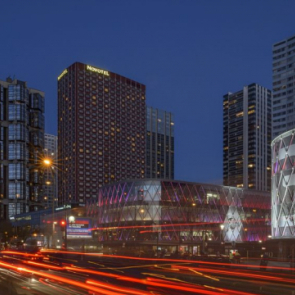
(158, 142)
(187, 62)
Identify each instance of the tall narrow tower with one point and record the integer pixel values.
(160, 144)
(283, 86)
(21, 146)
(247, 137)
(50, 174)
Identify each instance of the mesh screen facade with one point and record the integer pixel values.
(179, 212)
(283, 185)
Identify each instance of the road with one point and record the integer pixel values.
(68, 273)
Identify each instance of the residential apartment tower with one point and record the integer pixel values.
(283, 86)
(247, 137)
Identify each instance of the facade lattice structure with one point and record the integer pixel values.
(283, 185)
(150, 211)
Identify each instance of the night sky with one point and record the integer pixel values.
(188, 53)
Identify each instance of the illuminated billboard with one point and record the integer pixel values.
(79, 228)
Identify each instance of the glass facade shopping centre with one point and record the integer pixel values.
(161, 212)
(283, 186)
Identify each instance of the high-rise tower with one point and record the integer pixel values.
(21, 148)
(101, 130)
(247, 137)
(159, 144)
(283, 86)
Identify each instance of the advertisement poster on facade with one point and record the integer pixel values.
(79, 228)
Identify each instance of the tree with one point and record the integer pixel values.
(6, 230)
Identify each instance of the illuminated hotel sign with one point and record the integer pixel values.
(96, 70)
(62, 74)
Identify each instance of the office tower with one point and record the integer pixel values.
(21, 146)
(246, 138)
(283, 115)
(50, 173)
(159, 144)
(101, 131)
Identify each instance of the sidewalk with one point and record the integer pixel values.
(271, 265)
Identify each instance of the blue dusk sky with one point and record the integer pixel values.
(188, 53)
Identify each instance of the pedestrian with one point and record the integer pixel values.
(264, 262)
(231, 256)
(237, 257)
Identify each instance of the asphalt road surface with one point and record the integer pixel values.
(65, 273)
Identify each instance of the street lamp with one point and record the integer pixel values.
(16, 201)
(17, 196)
(47, 162)
(71, 221)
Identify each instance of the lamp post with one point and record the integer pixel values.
(63, 226)
(221, 232)
(47, 162)
(190, 215)
(204, 239)
(16, 202)
(221, 235)
(156, 231)
(71, 220)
